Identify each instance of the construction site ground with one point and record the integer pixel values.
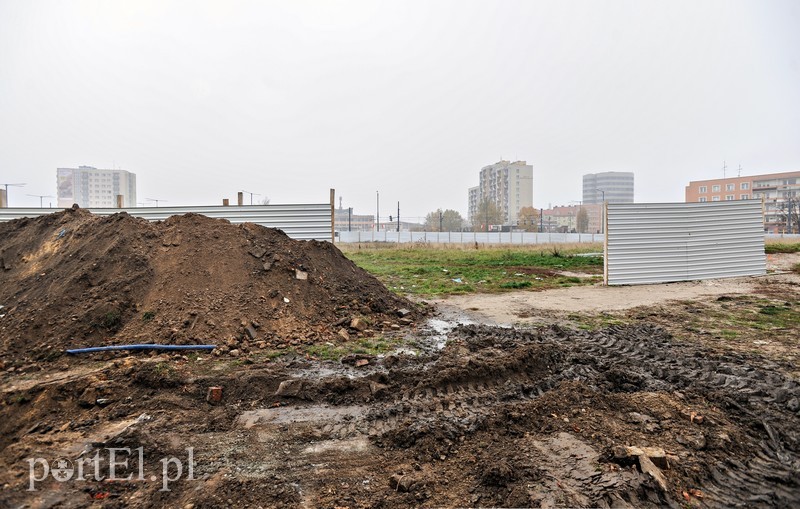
(677, 395)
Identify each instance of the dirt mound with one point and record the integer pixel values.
(72, 279)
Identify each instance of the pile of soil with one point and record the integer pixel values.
(73, 279)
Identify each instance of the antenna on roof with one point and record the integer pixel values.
(740, 170)
(724, 167)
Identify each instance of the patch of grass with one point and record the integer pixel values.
(148, 315)
(782, 247)
(366, 346)
(434, 271)
(111, 321)
(517, 284)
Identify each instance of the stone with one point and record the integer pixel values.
(344, 334)
(250, 331)
(214, 395)
(300, 274)
(406, 321)
(655, 454)
(402, 483)
(361, 362)
(649, 468)
(403, 312)
(358, 324)
(257, 251)
(235, 352)
(289, 388)
(267, 265)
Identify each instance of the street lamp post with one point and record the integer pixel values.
(602, 225)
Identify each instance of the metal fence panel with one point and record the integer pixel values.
(300, 221)
(665, 242)
(521, 238)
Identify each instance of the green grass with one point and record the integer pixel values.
(434, 271)
(371, 346)
(782, 247)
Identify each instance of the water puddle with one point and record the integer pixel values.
(289, 415)
(358, 444)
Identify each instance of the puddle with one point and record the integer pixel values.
(441, 328)
(358, 444)
(288, 415)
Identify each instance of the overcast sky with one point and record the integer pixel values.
(291, 98)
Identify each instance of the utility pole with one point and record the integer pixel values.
(398, 218)
(251, 195)
(441, 218)
(41, 197)
(602, 225)
(349, 218)
(155, 200)
(8, 200)
(378, 211)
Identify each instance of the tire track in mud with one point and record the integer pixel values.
(656, 363)
(502, 369)
(768, 478)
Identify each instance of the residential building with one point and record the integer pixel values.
(345, 220)
(3, 199)
(611, 186)
(508, 185)
(90, 187)
(780, 192)
(473, 202)
(565, 219)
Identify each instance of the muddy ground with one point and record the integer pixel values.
(631, 408)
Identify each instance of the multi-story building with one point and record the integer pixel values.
(565, 219)
(93, 188)
(345, 220)
(508, 185)
(611, 186)
(474, 194)
(780, 192)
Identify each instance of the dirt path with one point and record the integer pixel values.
(525, 306)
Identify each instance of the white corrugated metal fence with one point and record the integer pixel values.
(664, 242)
(301, 221)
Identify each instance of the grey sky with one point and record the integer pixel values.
(289, 99)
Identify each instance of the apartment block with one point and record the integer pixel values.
(90, 187)
(509, 185)
(780, 192)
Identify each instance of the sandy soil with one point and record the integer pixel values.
(523, 306)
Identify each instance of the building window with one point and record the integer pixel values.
(703, 199)
(730, 187)
(715, 188)
(715, 198)
(729, 197)
(744, 186)
(744, 196)
(703, 189)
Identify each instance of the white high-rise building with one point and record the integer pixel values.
(614, 186)
(94, 188)
(508, 185)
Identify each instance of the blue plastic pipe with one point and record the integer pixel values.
(140, 347)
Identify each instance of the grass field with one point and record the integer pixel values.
(439, 271)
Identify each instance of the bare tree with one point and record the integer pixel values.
(528, 219)
(446, 221)
(487, 214)
(265, 200)
(582, 221)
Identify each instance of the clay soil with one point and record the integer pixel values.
(470, 415)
